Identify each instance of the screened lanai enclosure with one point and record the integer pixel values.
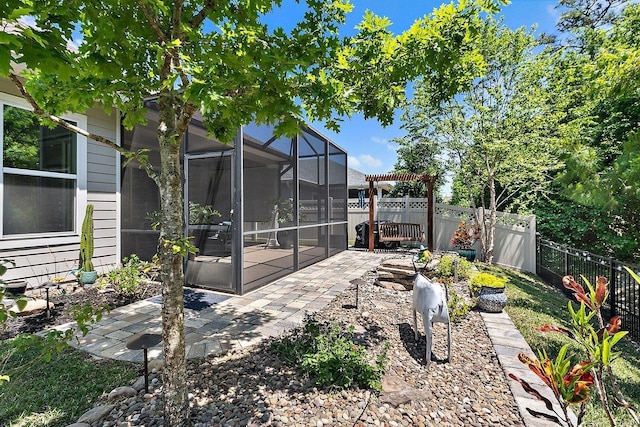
(257, 209)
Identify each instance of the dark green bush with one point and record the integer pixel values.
(326, 353)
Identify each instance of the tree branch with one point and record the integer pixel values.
(199, 17)
(66, 125)
(153, 21)
(182, 124)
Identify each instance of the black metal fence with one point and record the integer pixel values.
(553, 261)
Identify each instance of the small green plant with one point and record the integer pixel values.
(327, 354)
(446, 266)
(458, 306)
(199, 214)
(486, 280)
(127, 279)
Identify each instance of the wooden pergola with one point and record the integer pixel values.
(429, 179)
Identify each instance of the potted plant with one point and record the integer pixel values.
(86, 273)
(464, 237)
(283, 209)
(489, 289)
(201, 215)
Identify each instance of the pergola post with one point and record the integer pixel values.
(371, 215)
(430, 214)
(430, 180)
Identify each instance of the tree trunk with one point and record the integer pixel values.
(176, 409)
(488, 228)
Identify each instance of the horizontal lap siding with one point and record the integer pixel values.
(101, 188)
(38, 263)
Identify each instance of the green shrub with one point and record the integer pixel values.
(487, 280)
(127, 279)
(326, 353)
(446, 265)
(458, 307)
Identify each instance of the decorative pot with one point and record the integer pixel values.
(468, 254)
(491, 300)
(16, 288)
(88, 277)
(490, 290)
(285, 239)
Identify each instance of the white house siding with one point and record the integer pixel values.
(38, 259)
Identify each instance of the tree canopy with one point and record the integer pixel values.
(596, 94)
(490, 134)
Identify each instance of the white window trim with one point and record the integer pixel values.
(42, 239)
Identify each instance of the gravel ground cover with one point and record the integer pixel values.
(252, 386)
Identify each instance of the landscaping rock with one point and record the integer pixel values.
(120, 392)
(392, 285)
(79, 425)
(33, 307)
(96, 414)
(139, 384)
(156, 364)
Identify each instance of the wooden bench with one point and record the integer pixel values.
(400, 232)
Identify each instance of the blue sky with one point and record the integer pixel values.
(367, 142)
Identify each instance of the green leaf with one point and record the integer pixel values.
(21, 304)
(606, 352)
(617, 337)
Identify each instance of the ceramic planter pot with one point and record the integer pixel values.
(468, 254)
(16, 288)
(285, 238)
(88, 277)
(491, 300)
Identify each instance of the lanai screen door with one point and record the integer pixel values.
(208, 212)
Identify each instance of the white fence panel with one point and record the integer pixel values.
(515, 241)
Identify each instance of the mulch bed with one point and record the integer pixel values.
(64, 301)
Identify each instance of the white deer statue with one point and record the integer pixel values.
(430, 300)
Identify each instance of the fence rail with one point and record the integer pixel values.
(554, 260)
(515, 234)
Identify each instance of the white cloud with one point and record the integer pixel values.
(369, 161)
(391, 146)
(29, 21)
(74, 44)
(364, 162)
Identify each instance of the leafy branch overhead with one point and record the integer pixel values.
(231, 65)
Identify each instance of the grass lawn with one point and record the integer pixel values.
(55, 392)
(533, 303)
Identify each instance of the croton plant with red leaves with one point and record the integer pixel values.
(570, 383)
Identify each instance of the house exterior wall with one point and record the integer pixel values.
(40, 257)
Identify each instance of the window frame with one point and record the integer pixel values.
(80, 177)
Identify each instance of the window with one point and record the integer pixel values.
(39, 175)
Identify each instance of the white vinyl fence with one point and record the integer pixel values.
(515, 236)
